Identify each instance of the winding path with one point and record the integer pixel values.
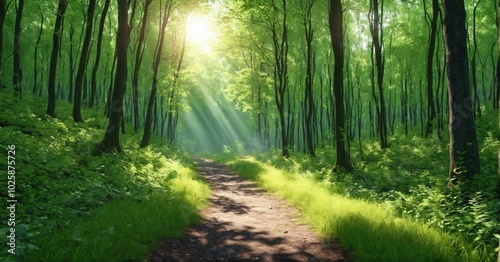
(243, 223)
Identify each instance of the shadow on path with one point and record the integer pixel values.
(243, 223)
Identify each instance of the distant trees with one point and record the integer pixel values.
(464, 152)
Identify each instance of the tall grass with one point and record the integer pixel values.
(127, 230)
(368, 230)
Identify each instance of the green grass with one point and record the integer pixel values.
(371, 231)
(127, 230)
(73, 206)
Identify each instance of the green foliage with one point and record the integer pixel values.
(63, 189)
(371, 231)
(410, 178)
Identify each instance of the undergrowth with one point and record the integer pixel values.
(75, 206)
(410, 180)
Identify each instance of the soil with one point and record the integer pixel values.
(244, 223)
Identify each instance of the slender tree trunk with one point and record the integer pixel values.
(464, 152)
(376, 29)
(280, 44)
(93, 81)
(308, 99)
(138, 59)
(35, 55)
(51, 106)
(152, 97)
(111, 139)
(476, 105)
(17, 73)
(431, 108)
(172, 112)
(343, 161)
(82, 66)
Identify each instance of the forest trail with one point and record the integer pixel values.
(243, 223)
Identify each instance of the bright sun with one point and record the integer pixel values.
(200, 32)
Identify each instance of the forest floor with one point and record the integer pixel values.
(244, 223)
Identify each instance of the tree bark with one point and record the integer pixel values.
(431, 105)
(93, 81)
(82, 66)
(280, 46)
(464, 152)
(152, 97)
(343, 161)
(111, 139)
(376, 29)
(51, 106)
(308, 98)
(35, 55)
(137, 65)
(17, 73)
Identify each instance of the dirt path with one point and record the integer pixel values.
(243, 223)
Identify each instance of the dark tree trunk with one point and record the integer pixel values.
(476, 105)
(431, 107)
(343, 161)
(376, 12)
(137, 65)
(152, 97)
(308, 99)
(51, 106)
(464, 152)
(111, 139)
(93, 81)
(280, 46)
(35, 55)
(17, 73)
(82, 66)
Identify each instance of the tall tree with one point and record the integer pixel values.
(431, 105)
(17, 73)
(61, 9)
(138, 60)
(464, 152)
(343, 160)
(82, 65)
(308, 97)
(280, 49)
(111, 139)
(93, 81)
(156, 65)
(376, 19)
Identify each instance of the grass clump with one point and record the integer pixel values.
(369, 230)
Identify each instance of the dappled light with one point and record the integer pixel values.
(232, 130)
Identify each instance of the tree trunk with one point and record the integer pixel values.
(376, 29)
(464, 152)
(138, 59)
(82, 66)
(51, 106)
(431, 107)
(35, 55)
(93, 81)
(17, 73)
(111, 139)
(152, 97)
(308, 99)
(343, 161)
(280, 45)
